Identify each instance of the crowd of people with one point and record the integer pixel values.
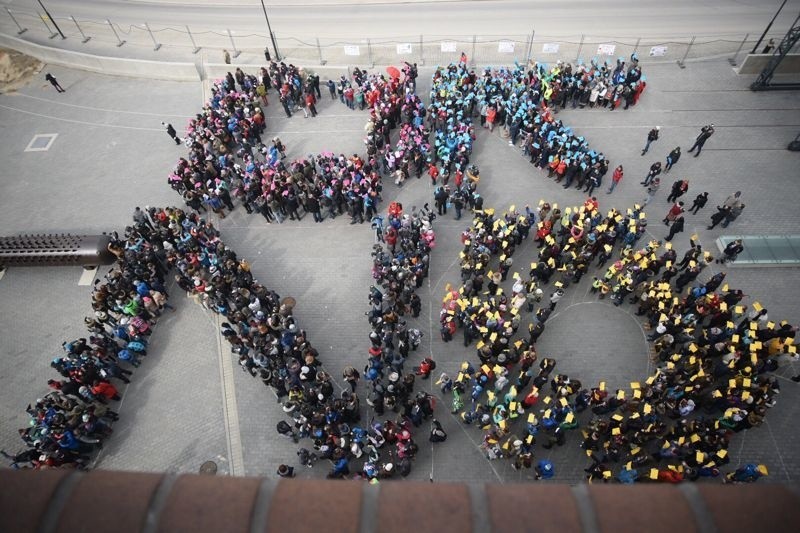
(714, 356)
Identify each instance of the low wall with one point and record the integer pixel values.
(114, 66)
(63, 501)
(755, 63)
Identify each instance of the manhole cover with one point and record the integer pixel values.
(208, 468)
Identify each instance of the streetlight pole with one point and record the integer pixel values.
(61, 33)
(271, 35)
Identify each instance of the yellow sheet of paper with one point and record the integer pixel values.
(739, 309)
(732, 383)
(647, 408)
(654, 473)
(563, 402)
(723, 306)
(695, 438)
(616, 431)
(617, 417)
(637, 394)
(493, 336)
(531, 418)
(602, 385)
(757, 306)
(635, 385)
(547, 413)
(722, 453)
(725, 288)
(569, 418)
(734, 338)
(620, 395)
(699, 456)
(547, 400)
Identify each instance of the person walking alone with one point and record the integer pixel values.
(615, 179)
(705, 133)
(699, 203)
(676, 227)
(171, 132)
(652, 136)
(672, 158)
(54, 82)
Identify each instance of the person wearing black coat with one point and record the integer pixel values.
(676, 227)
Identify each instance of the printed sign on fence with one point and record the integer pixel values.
(352, 50)
(403, 48)
(606, 49)
(657, 51)
(550, 48)
(448, 46)
(505, 47)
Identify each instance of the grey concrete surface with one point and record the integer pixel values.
(112, 155)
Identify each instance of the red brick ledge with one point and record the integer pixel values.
(100, 501)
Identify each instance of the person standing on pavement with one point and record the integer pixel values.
(719, 216)
(655, 170)
(54, 82)
(705, 133)
(731, 251)
(732, 199)
(652, 136)
(674, 212)
(676, 227)
(615, 179)
(171, 132)
(699, 203)
(733, 214)
(672, 158)
(226, 56)
(678, 189)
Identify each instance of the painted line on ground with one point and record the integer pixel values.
(104, 109)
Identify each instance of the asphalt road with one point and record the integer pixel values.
(329, 18)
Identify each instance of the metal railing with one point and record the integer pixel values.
(152, 41)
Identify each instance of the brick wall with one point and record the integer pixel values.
(61, 501)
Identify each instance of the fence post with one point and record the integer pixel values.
(121, 42)
(233, 44)
(21, 29)
(580, 47)
(421, 51)
(319, 49)
(530, 48)
(156, 44)
(369, 52)
(472, 55)
(681, 61)
(52, 33)
(85, 38)
(732, 60)
(191, 38)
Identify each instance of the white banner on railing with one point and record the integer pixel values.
(550, 48)
(449, 46)
(606, 49)
(352, 50)
(505, 47)
(403, 48)
(657, 51)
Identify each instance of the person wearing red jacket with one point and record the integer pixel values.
(615, 178)
(106, 390)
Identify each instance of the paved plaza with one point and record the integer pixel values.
(189, 402)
